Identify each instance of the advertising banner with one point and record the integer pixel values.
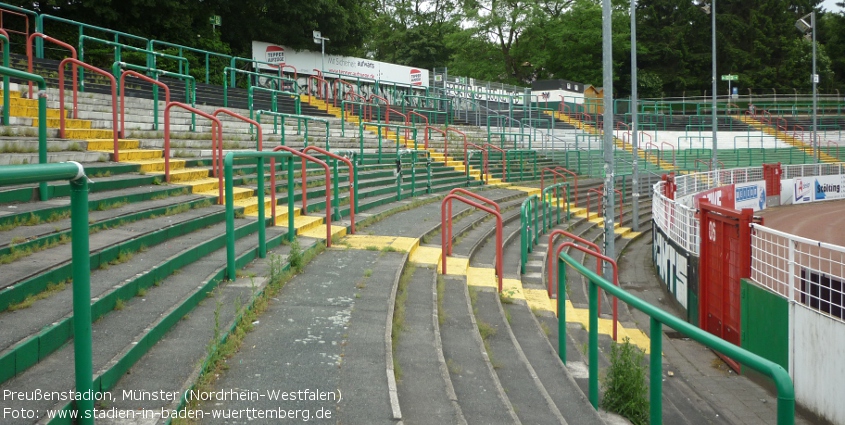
(750, 195)
(307, 62)
(818, 188)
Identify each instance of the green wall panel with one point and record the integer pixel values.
(765, 323)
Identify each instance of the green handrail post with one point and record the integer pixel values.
(228, 161)
(42, 118)
(80, 263)
(782, 381)
(656, 373)
(355, 173)
(428, 176)
(526, 241)
(561, 307)
(6, 105)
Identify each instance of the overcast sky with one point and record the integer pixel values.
(830, 5)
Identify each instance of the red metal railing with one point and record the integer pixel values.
(600, 193)
(25, 33)
(284, 65)
(446, 225)
(320, 82)
(366, 111)
(73, 68)
(62, 98)
(351, 180)
(423, 117)
(671, 146)
(504, 158)
(596, 252)
(575, 177)
(339, 90)
(472, 195)
(554, 173)
(387, 112)
(305, 157)
(216, 144)
(123, 95)
(259, 147)
(429, 128)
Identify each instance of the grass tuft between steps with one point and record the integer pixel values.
(399, 313)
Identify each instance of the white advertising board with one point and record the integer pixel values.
(750, 195)
(307, 62)
(817, 188)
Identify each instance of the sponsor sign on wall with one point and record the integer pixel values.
(819, 188)
(750, 195)
(306, 62)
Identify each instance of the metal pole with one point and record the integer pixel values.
(715, 157)
(634, 119)
(82, 345)
(815, 92)
(607, 73)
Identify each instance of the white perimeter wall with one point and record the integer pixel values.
(817, 362)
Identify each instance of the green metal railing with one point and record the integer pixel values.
(299, 120)
(228, 160)
(42, 118)
(118, 47)
(233, 71)
(81, 265)
(362, 107)
(181, 49)
(503, 135)
(233, 63)
(530, 228)
(551, 194)
(521, 154)
(379, 126)
(274, 105)
(413, 154)
(190, 87)
(782, 381)
(6, 100)
(40, 22)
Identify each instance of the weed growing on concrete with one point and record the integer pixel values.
(441, 290)
(625, 390)
(399, 313)
(368, 272)
(119, 304)
(295, 256)
(52, 288)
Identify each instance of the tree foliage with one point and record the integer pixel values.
(511, 41)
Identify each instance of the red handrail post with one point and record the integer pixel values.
(306, 157)
(351, 181)
(595, 251)
(57, 42)
(123, 95)
(216, 166)
(260, 148)
(62, 98)
(504, 158)
(443, 222)
(574, 176)
(446, 141)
